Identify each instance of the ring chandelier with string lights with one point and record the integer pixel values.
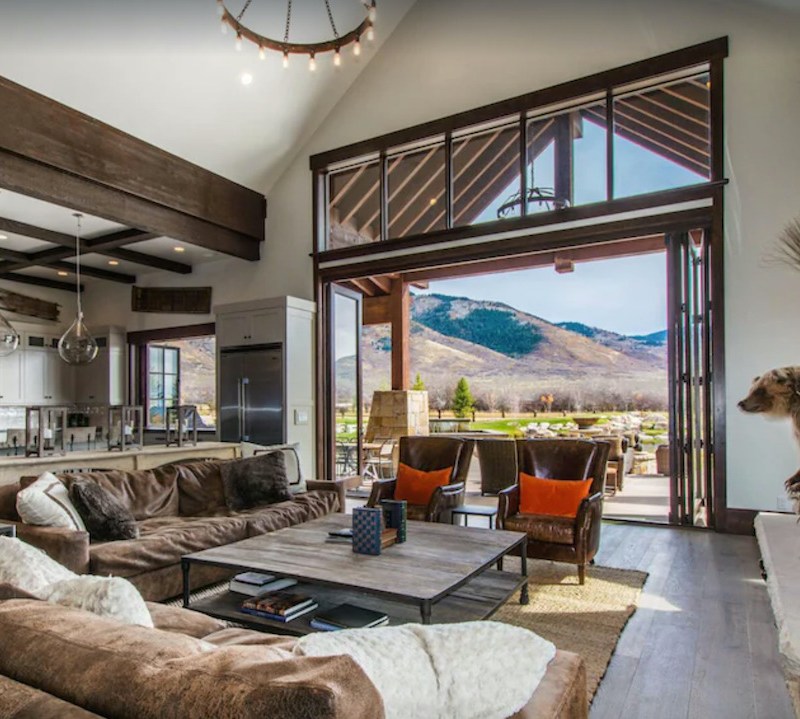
(365, 29)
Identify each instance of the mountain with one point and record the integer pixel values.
(632, 345)
(499, 348)
(655, 339)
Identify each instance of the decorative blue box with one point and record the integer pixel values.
(395, 514)
(367, 528)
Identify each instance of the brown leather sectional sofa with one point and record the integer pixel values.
(63, 663)
(179, 509)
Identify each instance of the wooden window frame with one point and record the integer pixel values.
(365, 260)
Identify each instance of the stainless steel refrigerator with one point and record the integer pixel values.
(251, 394)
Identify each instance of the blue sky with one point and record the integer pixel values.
(626, 295)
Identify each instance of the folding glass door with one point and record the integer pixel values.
(691, 378)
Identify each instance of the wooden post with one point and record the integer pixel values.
(563, 162)
(400, 312)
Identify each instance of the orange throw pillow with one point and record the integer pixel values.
(556, 497)
(416, 486)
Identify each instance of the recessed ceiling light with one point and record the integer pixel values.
(113, 263)
(61, 273)
(246, 78)
(179, 249)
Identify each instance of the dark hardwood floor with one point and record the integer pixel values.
(702, 642)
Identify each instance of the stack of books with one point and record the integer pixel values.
(348, 616)
(254, 584)
(279, 606)
(388, 538)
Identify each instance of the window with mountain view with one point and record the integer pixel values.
(182, 372)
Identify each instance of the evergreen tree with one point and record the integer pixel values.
(462, 399)
(418, 383)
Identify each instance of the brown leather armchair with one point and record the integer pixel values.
(560, 539)
(429, 454)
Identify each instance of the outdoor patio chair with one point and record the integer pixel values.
(498, 462)
(430, 454)
(379, 459)
(572, 539)
(620, 461)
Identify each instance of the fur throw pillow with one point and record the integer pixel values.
(255, 481)
(111, 597)
(469, 670)
(28, 568)
(105, 517)
(46, 503)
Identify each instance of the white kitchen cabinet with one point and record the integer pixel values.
(240, 329)
(103, 381)
(11, 378)
(47, 379)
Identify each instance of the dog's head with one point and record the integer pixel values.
(776, 392)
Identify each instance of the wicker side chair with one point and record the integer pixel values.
(498, 462)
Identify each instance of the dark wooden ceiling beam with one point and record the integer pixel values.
(139, 258)
(384, 284)
(27, 177)
(12, 255)
(45, 131)
(96, 272)
(36, 233)
(628, 248)
(118, 238)
(364, 286)
(41, 282)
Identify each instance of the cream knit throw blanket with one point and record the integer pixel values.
(472, 670)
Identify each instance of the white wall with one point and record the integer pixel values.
(447, 56)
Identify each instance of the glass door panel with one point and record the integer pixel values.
(345, 415)
(691, 426)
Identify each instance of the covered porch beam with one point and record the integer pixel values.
(400, 315)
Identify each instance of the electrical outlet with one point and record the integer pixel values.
(784, 504)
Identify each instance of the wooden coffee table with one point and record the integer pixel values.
(443, 573)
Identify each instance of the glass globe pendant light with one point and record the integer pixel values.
(77, 346)
(9, 337)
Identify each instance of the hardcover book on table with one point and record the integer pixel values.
(286, 618)
(250, 583)
(348, 616)
(279, 603)
(367, 528)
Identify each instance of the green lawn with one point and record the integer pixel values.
(513, 426)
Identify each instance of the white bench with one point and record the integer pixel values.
(779, 541)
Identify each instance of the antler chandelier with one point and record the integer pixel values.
(365, 29)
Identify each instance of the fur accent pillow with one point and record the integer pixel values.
(469, 670)
(105, 517)
(255, 481)
(29, 568)
(111, 597)
(46, 503)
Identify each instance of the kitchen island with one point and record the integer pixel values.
(12, 468)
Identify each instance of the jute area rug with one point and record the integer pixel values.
(587, 620)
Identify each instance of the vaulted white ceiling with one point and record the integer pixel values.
(163, 71)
